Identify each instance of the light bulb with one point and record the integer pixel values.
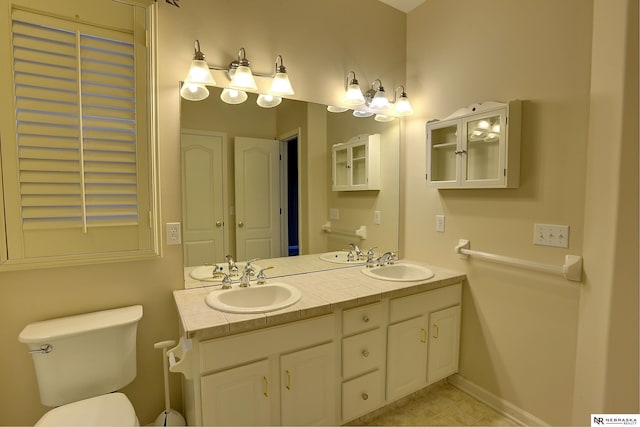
(233, 96)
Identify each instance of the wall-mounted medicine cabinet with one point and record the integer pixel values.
(476, 147)
(356, 164)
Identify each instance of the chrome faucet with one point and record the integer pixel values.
(262, 278)
(386, 258)
(357, 250)
(226, 281)
(233, 268)
(245, 279)
(371, 261)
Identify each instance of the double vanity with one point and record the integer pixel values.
(320, 343)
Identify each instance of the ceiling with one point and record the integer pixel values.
(404, 5)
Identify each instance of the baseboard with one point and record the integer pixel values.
(506, 408)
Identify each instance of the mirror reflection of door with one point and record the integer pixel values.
(257, 195)
(203, 172)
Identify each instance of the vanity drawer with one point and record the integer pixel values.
(362, 395)
(426, 302)
(363, 352)
(360, 319)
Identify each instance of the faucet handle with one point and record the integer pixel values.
(262, 278)
(248, 266)
(226, 280)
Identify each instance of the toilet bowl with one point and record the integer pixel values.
(81, 361)
(112, 409)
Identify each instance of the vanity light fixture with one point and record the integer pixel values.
(362, 113)
(198, 78)
(383, 118)
(268, 100)
(281, 86)
(240, 73)
(336, 109)
(233, 96)
(377, 98)
(353, 95)
(402, 105)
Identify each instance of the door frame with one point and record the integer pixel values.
(284, 196)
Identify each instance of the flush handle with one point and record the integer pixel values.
(44, 349)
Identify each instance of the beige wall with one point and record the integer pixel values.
(520, 329)
(297, 30)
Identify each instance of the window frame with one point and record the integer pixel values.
(151, 161)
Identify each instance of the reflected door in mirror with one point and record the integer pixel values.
(202, 196)
(257, 192)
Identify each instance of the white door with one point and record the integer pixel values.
(444, 342)
(257, 191)
(203, 172)
(238, 396)
(308, 384)
(406, 357)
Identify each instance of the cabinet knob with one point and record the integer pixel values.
(240, 224)
(365, 396)
(365, 353)
(218, 223)
(365, 318)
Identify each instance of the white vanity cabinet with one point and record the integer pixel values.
(476, 147)
(416, 357)
(356, 164)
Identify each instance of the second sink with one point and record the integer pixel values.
(256, 299)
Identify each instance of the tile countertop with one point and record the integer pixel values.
(322, 292)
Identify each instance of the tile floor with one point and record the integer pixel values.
(438, 405)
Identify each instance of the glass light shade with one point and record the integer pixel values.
(243, 79)
(233, 96)
(199, 73)
(268, 100)
(281, 85)
(194, 92)
(383, 118)
(379, 101)
(362, 113)
(354, 95)
(403, 107)
(336, 109)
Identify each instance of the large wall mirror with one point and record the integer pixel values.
(257, 182)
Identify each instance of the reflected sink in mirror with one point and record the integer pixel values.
(399, 272)
(339, 257)
(255, 299)
(204, 273)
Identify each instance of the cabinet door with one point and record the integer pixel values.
(308, 386)
(484, 146)
(444, 342)
(443, 153)
(406, 357)
(238, 396)
(341, 168)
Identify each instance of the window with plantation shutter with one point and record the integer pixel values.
(77, 173)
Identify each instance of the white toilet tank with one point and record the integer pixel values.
(82, 356)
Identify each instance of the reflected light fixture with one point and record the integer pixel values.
(268, 100)
(336, 109)
(281, 86)
(353, 95)
(377, 98)
(362, 113)
(383, 118)
(233, 96)
(240, 72)
(402, 105)
(198, 77)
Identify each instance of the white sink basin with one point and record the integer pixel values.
(339, 257)
(399, 272)
(255, 299)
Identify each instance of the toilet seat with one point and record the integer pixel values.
(112, 409)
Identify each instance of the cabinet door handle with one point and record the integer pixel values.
(266, 386)
(424, 335)
(460, 151)
(218, 223)
(365, 353)
(364, 396)
(240, 224)
(435, 331)
(365, 319)
(288, 380)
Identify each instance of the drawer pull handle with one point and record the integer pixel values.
(365, 353)
(288, 380)
(435, 331)
(365, 396)
(266, 386)
(365, 318)
(424, 335)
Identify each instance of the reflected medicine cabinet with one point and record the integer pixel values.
(476, 147)
(356, 164)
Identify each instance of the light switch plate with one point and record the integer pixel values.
(440, 223)
(334, 214)
(377, 217)
(174, 233)
(551, 235)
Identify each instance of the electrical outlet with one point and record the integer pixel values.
(440, 223)
(551, 235)
(376, 217)
(334, 213)
(174, 233)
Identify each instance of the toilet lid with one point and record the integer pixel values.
(112, 409)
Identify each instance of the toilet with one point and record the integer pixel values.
(80, 362)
